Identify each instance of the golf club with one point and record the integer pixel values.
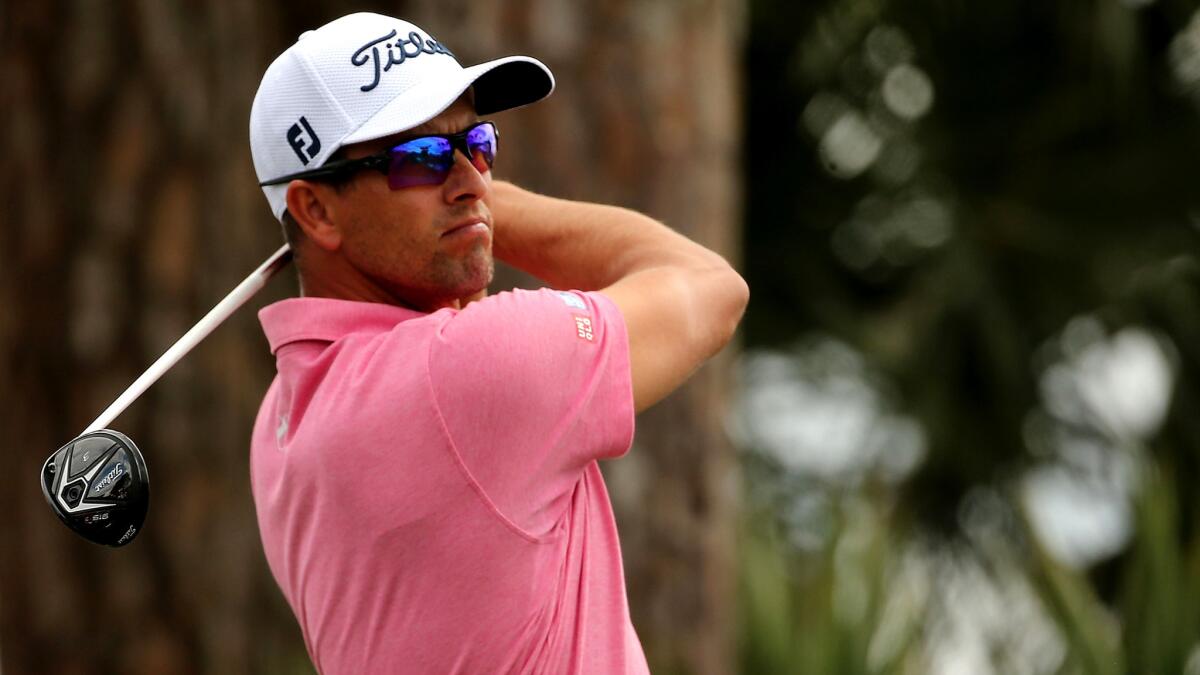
(98, 484)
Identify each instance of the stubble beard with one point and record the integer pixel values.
(460, 277)
(443, 278)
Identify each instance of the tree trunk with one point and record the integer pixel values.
(132, 207)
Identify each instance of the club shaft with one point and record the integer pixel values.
(215, 317)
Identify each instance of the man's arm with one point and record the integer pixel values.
(681, 302)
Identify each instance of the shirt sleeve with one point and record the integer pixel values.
(533, 386)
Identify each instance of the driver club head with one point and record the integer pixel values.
(98, 485)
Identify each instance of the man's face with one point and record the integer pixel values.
(430, 245)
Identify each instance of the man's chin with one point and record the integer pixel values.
(481, 277)
(478, 290)
(464, 282)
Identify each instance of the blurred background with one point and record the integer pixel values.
(959, 433)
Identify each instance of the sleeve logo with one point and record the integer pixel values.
(583, 328)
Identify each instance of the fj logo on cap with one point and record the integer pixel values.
(310, 146)
(397, 52)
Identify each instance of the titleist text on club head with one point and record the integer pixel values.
(98, 485)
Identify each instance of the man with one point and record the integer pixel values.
(424, 463)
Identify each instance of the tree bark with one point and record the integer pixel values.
(132, 208)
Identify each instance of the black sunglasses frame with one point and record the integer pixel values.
(383, 160)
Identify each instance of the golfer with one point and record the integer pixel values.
(424, 464)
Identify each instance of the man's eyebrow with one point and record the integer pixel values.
(413, 133)
(409, 135)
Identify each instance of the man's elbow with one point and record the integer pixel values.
(724, 307)
(715, 297)
(737, 297)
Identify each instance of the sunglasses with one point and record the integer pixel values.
(426, 160)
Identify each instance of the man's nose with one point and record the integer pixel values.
(465, 182)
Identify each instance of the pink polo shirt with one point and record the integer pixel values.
(427, 489)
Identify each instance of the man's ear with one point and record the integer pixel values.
(310, 205)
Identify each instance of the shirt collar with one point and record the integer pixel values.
(327, 319)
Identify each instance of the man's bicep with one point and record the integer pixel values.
(676, 319)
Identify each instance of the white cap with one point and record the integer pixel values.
(365, 76)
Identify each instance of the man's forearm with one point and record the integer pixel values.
(585, 246)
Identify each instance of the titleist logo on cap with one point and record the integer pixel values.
(397, 53)
(354, 80)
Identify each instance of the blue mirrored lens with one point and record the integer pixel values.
(481, 140)
(429, 159)
(421, 161)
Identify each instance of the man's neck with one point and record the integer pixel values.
(361, 289)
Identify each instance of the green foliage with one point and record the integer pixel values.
(866, 598)
(828, 606)
(1159, 598)
(953, 245)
